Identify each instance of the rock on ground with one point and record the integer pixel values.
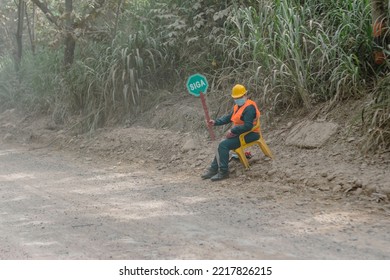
(310, 135)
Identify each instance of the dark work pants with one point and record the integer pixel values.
(230, 144)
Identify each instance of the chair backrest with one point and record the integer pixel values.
(257, 126)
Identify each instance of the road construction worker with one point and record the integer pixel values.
(244, 116)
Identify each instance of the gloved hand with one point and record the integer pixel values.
(229, 134)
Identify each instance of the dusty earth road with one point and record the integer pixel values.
(57, 207)
(135, 193)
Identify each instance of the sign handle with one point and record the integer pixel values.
(206, 112)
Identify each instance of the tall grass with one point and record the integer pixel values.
(376, 117)
(34, 87)
(299, 54)
(290, 54)
(8, 82)
(116, 81)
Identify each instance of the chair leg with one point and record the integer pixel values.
(264, 148)
(242, 157)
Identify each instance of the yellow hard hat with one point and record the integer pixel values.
(238, 91)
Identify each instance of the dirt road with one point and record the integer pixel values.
(55, 206)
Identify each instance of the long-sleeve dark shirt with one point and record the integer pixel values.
(248, 116)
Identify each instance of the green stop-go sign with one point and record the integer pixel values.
(196, 84)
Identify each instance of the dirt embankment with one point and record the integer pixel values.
(134, 192)
(334, 165)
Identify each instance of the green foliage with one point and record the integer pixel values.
(290, 54)
(299, 54)
(8, 82)
(34, 87)
(376, 117)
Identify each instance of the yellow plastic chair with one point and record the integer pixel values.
(261, 142)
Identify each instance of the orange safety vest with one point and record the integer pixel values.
(237, 114)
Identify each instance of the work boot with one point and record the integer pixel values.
(210, 173)
(220, 176)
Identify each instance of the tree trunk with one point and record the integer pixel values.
(118, 8)
(379, 24)
(19, 34)
(70, 42)
(31, 28)
(49, 15)
(70, 24)
(378, 10)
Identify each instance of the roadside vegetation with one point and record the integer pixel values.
(129, 55)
